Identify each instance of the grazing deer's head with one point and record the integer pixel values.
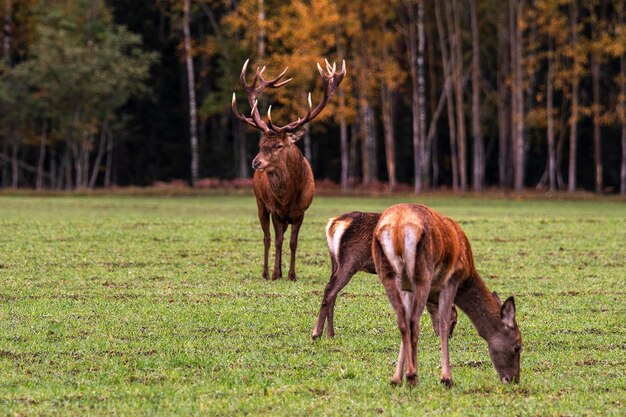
(505, 344)
(276, 143)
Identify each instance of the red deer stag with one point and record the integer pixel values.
(349, 239)
(283, 180)
(421, 255)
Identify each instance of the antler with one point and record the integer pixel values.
(332, 79)
(253, 90)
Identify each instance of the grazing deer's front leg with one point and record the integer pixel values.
(293, 246)
(446, 298)
(264, 218)
(279, 234)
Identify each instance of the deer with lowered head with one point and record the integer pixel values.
(423, 256)
(349, 239)
(283, 180)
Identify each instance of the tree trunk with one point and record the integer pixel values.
(597, 139)
(388, 126)
(517, 95)
(193, 124)
(308, 154)
(368, 136)
(454, 24)
(411, 41)
(6, 27)
(101, 146)
(573, 139)
(622, 104)
(504, 111)
(354, 145)
(15, 169)
(421, 94)
(240, 141)
(42, 155)
(550, 111)
(449, 100)
(431, 138)
(479, 147)
(109, 162)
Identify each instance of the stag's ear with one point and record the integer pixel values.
(507, 312)
(495, 297)
(296, 136)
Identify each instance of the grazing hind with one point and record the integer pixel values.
(349, 239)
(421, 255)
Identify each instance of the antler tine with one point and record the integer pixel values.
(321, 71)
(269, 117)
(331, 82)
(252, 91)
(240, 116)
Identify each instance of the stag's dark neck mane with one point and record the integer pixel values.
(475, 299)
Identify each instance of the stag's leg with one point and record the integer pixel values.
(293, 246)
(279, 234)
(446, 298)
(264, 218)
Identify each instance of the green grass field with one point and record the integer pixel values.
(119, 306)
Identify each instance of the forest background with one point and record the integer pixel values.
(459, 94)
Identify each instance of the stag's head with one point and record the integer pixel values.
(278, 141)
(505, 344)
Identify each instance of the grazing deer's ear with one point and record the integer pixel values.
(296, 136)
(507, 312)
(495, 297)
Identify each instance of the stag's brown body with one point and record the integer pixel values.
(284, 189)
(423, 256)
(349, 238)
(283, 181)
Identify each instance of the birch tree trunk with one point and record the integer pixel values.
(454, 25)
(15, 169)
(517, 95)
(343, 128)
(410, 38)
(368, 137)
(622, 103)
(479, 147)
(421, 96)
(193, 123)
(42, 155)
(597, 138)
(6, 27)
(504, 110)
(109, 162)
(449, 99)
(390, 156)
(550, 111)
(307, 143)
(573, 138)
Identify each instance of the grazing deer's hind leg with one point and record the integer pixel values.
(264, 218)
(338, 279)
(420, 277)
(293, 246)
(279, 234)
(390, 269)
(446, 298)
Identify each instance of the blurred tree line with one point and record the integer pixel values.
(462, 94)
